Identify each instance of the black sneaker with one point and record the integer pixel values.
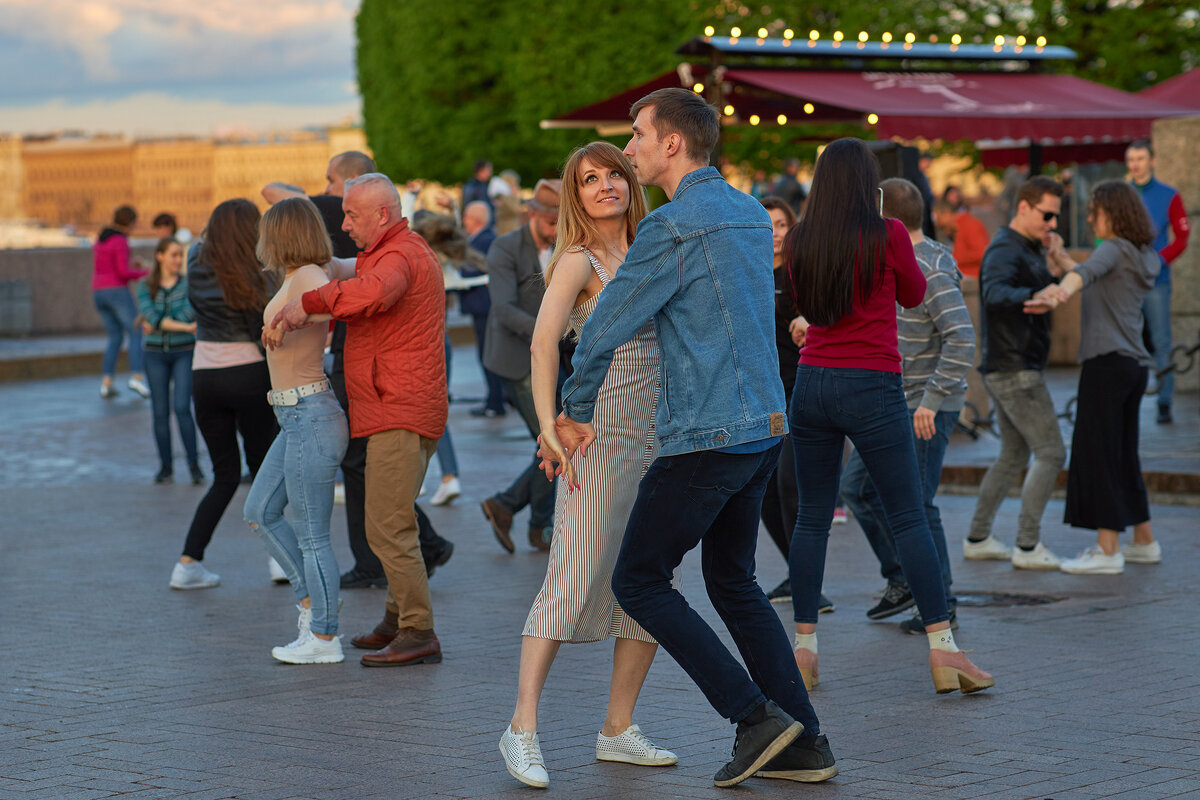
(824, 605)
(808, 760)
(1164, 415)
(437, 559)
(781, 593)
(914, 625)
(896, 598)
(755, 745)
(197, 475)
(164, 476)
(361, 580)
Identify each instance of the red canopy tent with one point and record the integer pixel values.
(1182, 90)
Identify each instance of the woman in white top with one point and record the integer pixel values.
(602, 205)
(300, 467)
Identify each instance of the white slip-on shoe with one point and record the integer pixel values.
(139, 386)
(193, 576)
(523, 757)
(1142, 553)
(1039, 557)
(446, 492)
(990, 549)
(308, 649)
(632, 747)
(275, 571)
(1093, 561)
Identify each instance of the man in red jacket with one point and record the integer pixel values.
(395, 361)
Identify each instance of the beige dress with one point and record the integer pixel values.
(576, 602)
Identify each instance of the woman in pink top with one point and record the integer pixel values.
(301, 465)
(111, 276)
(849, 267)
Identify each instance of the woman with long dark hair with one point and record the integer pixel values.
(228, 291)
(849, 267)
(170, 337)
(602, 205)
(1105, 491)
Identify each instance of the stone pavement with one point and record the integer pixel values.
(113, 685)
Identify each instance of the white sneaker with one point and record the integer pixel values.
(308, 649)
(108, 391)
(1039, 557)
(339, 494)
(139, 386)
(989, 549)
(632, 747)
(1142, 553)
(446, 492)
(193, 576)
(276, 571)
(523, 757)
(1093, 561)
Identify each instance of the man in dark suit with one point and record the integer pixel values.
(516, 262)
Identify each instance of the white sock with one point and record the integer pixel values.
(942, 640)
(806, 640)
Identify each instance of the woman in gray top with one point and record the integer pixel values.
(1105, 491)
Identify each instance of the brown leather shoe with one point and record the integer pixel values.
(501, 519)
(537, 539)
(411, 646)
(381, 636)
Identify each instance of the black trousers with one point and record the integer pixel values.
(1104, 482)
(781, 502)
(229, 401)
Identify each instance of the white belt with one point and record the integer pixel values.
(290, 397)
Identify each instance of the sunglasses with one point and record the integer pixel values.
(1046, 215)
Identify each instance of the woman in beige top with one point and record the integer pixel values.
(300, 467)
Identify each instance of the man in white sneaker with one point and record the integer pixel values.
(1016, 347)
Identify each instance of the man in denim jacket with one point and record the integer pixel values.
(701, 268)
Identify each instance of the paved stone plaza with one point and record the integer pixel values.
(113, 685)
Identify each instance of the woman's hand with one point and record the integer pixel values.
(551, 452)
(1047, 299)
(574, 435)
(272, 336)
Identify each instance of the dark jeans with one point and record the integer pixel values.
(495, 384)
(781, 500)
(829, 404)
(162, 369)
(118, 312)
(531, 487)
(229, 401)
(712, 498)
(862, 498)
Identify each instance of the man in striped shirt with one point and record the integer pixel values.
(937, 350)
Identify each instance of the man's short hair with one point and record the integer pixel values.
(165, 220)
(481, 163)
(352, 163)
(902, 200)
(124, 216)
(1141, 144)
(479, 210)
(683, 112)
(1035, 188)
(377, 182)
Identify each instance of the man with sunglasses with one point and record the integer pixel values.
(1016, 347)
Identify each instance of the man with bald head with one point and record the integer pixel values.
(393, 301)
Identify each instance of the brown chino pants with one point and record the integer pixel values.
(396, 464)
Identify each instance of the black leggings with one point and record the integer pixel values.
(229, 401)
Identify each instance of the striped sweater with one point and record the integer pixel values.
(937, 340)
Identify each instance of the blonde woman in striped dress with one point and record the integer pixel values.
(602, 204)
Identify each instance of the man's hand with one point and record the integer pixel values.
(798, 328)
(575, 436)
(1047, 299)
(923, 419)
(291, 317)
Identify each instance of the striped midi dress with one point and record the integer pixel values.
(576, 602)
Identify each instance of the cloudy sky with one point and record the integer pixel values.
(148, 67)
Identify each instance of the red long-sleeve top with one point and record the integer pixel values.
(866, 337)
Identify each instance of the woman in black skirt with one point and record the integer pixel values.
(1105, 491)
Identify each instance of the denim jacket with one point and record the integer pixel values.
(701, 268)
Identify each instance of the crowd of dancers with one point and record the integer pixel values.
(722, 352)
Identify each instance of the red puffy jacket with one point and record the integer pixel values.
(395, 355)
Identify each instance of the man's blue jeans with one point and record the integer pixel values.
(829, 404)
(860, 495)
(1156, 308)
(714, 499)
(299, 471)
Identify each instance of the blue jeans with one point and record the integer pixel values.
(860, 495)
(299, 471)
(714, 499)
(867, 405)
(1156, 308)
(445, 447)
(118, 312)
(162, 369)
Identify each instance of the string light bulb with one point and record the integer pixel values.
(1020, 41)
(728, 111)
(910, 37)
(709, 30)
(736, 32)
(837, 36)
(887, 37)
(698, 88)
(1041, 41)
(814, 34)
(809, 108)
(789, 34)
(781, 119)
(872, 119)
(754, 120)
(762, 33)
(999, 41)
(956, 39)
(863, 36)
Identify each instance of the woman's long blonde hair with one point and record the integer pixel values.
(576, 228)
